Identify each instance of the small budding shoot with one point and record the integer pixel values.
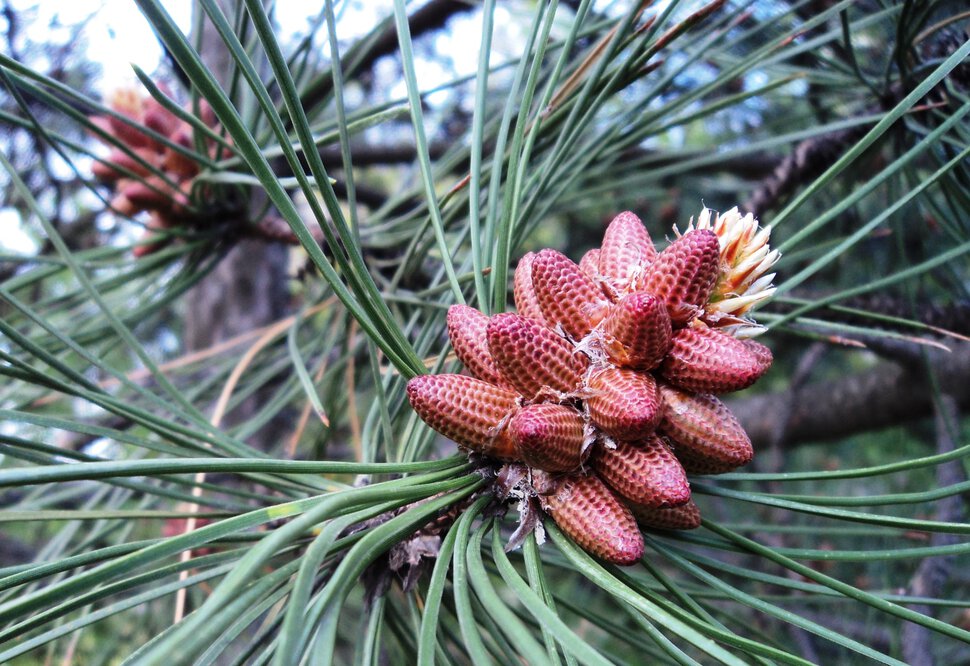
(601, 389)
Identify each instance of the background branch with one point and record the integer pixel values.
(887, 395)
(933, 573)
(362, 56)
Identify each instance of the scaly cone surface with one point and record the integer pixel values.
(549, 437)
(602, 386)
(626, 253)
(637, 332)
(566, 295)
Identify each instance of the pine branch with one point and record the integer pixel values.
(954, 316)
(889, 394)
(807, 161)
(369, 154)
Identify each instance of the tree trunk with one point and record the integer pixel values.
(248, 289)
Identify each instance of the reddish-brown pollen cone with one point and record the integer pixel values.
(136, 187)
(645, 473)
(637, 332)
(586, 510)
(706, 436)
(523, 291)
(626, 253)
(158, 221)
(151, 193)
(159, 119)
(179, 164)
(566, 295)
(600, 391)
(686, 517)
(470, 411)
(532, 357)
(706, 360)
(549, 437)
(590, 263)
(107, 171)
(132, 136)
(466, 329)
(684, 274)
(623, 403)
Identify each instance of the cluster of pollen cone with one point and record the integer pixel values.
(150, 176)
(603, 385)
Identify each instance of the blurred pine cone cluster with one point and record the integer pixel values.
(150, 167)
(601, 391)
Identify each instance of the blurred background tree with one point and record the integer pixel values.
(216, 334)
